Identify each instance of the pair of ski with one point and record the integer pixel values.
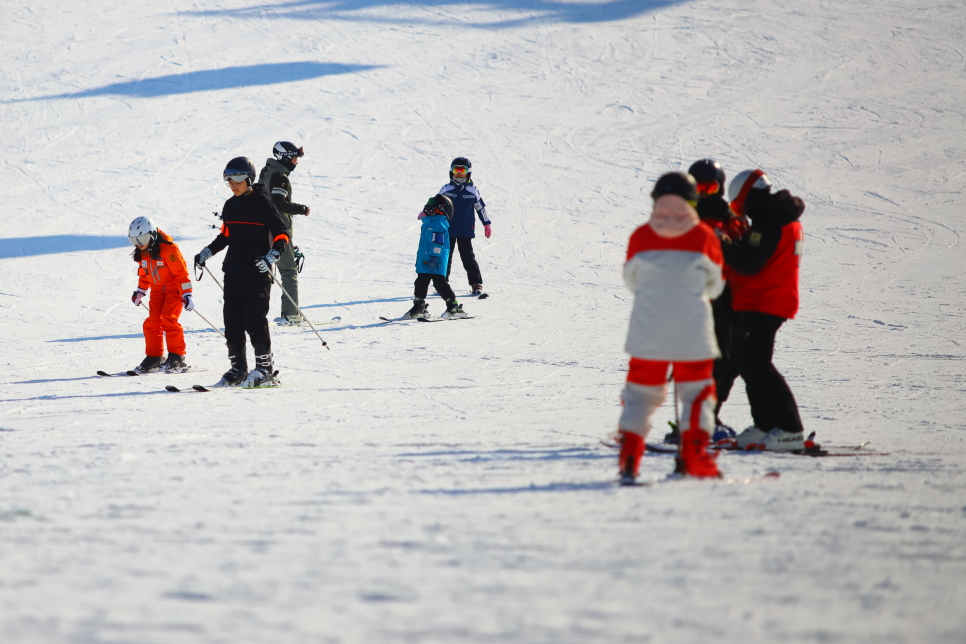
(203, 389)
(815, 450)
(104, 374)
(428, 318)
(174, 389)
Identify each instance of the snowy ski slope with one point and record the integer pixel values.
(446, 483)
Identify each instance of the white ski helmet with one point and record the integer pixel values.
(142, 232)
(743, 183)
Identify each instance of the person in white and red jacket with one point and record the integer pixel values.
(674, 270)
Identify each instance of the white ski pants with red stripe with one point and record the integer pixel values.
(646, 387)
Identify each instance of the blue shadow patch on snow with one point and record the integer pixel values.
(512, 13)
(215, 79)
(53, 244)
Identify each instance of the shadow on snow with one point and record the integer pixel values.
(512, 13)
(215, 79)
(52, 244)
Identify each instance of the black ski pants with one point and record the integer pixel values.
(725, 371)
(440, 283)
(771, 400)
(246, 309)
(468, 257)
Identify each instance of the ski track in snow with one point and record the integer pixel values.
(446, 483)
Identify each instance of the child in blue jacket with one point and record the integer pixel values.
(432, 259)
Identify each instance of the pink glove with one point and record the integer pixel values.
(421, 215)
(487, 230)
(138, 296)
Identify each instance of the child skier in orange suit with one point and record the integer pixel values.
(674, 270)
(162, 269)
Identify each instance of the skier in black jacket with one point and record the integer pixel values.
(275, 178)
(254, 233)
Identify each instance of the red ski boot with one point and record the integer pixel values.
(695, 460)
(629, 461)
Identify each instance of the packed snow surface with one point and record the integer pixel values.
(447, 482)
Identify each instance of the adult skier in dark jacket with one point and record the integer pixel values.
(764, 283)
(253, 231)
(467, 206)
(274, 176)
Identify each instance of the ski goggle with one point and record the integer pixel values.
(141, 241)
(459, 170)
(709, 188)
(288, 154)
(237, 178)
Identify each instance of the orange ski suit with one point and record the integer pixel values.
(167, 277)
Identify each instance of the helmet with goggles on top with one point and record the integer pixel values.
(439, 205)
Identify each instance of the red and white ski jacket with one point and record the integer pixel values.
(674, 270)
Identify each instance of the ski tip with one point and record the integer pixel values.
(172, 388)
(104, 374)
(132, 373)
(774, 474)
(483, 296)
(200, 388)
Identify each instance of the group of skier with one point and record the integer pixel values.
(257, 230)
(713, 281)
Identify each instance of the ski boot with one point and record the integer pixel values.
(454, 309)
(629, 461)
(723, 436)
(263, 375)
(150, 364)
(750, 438)
(239, 368)
(174, 364)
(778, 440)
(477, 290)
(674, 436)
(694, 459)
(419, 310)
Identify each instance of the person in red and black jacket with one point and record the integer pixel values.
(255, 234)
(764, 282)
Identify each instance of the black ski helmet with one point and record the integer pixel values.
(240, 165)
(706, 173)
(286, 150)
(676, 183)
(462, 162)
(439, 205)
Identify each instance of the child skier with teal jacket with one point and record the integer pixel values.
(432, 259)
